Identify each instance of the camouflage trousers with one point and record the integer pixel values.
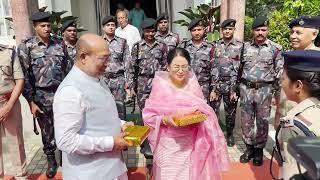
(230, 108)
(205, 86)
(255, 107)
(144, 89)
(116, 86)
(44, 100)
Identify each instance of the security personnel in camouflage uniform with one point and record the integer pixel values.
(227, 58)
(148, 56)
(163, 34)
(44, 64)
(202, 58)
(69, 32)
(11, 85)
(261, 69)
(119, 57)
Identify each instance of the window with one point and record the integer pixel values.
(5, 25)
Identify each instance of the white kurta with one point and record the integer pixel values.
(130, 33)
(85, 121)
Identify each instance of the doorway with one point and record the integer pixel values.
(149, 6)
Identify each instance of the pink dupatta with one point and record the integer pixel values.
(209, 154)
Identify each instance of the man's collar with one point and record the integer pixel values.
(265, 43)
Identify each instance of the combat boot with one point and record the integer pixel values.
(258, 157)
(230, 139)
(52, 166)
(248, 154)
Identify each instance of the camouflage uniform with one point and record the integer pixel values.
(171, 39)
(202, 63)
(44, 68)
(71, 51)
(261, 65)
(149, 60)
(227, 59)
(115, 72)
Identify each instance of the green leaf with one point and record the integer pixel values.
(179, 21)
(204, 8)
(81, 30)
(188, 15)
(213, 36)
(67, 18)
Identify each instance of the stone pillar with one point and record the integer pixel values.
(223, 10)
(236, 10)
(21, 18)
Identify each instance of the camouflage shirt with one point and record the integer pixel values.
(202, 63)
(262, 63)
(71, 50)
(227, 59)
(44, 65)
(119, 55)
(150, 59)
(171, 39)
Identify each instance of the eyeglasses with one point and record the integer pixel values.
(183, 68)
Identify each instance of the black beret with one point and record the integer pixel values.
(303, 60)
(162, 16)
(148, 23)
(108, 19)
(41, 17)
(306, 21)
(67, 24)
(228, 22)
(259, 22)
(194, 23)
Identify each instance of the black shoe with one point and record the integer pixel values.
(248, 154)
(230, 140)
(258, 157)
(52, 166)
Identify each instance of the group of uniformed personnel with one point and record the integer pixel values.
(226, 70)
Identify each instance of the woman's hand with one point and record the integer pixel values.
(168, 121)
(126, 124)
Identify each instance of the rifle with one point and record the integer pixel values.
(240, 70)
(135, 78)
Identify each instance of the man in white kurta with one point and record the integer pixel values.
(125, 30)
(87, 127)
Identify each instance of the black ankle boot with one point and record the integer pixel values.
(258, 157)
(230, 139)
(248, 154)
(52, 166)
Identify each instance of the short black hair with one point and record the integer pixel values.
(178, 52)
(311, 80)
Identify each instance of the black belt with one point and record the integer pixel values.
(115, 75)
(255, 85)
(49, 89)
(147, 75)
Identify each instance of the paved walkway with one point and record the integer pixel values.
(36, 160)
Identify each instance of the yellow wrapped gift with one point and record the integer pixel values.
(193, 118)
(137, 134)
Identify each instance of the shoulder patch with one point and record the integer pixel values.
(27, 39)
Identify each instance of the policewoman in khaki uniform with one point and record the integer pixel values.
(301, 84)
(11, 85)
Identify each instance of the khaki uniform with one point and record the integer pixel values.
(284, 104)
(306, 112)
(11, 128)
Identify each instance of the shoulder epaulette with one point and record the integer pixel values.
(27, 39)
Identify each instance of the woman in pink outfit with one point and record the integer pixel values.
(192, 152)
